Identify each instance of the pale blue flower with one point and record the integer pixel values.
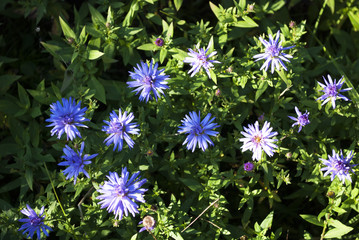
(301, 120)
(119, 193)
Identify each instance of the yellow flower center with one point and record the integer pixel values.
(257, 139)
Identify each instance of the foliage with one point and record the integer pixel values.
(59, 49)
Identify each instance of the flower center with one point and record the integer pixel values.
(35, 221)
(257, 139)
(341, 166)
(197, 130)
(120, 189)
(273, 51)
(303, 119)
(67, 119)
(147, 80)
(117, 127)
(332, 90)
(202, 58)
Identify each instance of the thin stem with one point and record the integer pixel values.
(201, 214)
(319, 16)
(152, 234)
(82, 200)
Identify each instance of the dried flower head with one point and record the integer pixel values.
(148, 223)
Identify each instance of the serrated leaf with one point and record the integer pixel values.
(67, 30)
(312, 219)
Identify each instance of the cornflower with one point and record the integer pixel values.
(119, 193)
(338, 166)
(332, 90)
(34, 223)
(198, 130)
(257, 140)
(75, 162)
(66, 117)
(301, 120)
(273, 53)
(148, 78)
(198, 58)
(119, 127)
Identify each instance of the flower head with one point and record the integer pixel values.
(35, 223)
(75, 162)
(148, 78)
(273, 53)
(148, 223)
(119, 193)
(248, 166)
(66, 117)
(301, 120)
(198, 59)
(255, 140)
(332, 90)
(119, 127)
(339, 166)
(159, 42)
(198, 130)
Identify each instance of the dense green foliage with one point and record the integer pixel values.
(51, 50)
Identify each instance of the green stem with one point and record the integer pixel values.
(319, 16)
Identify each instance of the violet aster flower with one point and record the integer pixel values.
(66, 117)
(198, 59)
(248, 166)
(159, 42)
(198, 130)
(338, 166)
(35, 223)
(119, 193)
(255, 140)
(148, 223)
(75, 162)
(119, 127)
(332, 90)
(148, 78)
(301, 120)
(273, 53)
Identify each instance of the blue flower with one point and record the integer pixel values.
(339, 166)
(198, 130)
(332, 90)
(273, 53)
(200, 59)
(257, 140)
(66, 117)
(301, 120)
(35, 223)
(119, 193)
(148, 78)
(75, 162)
(148, 224)
(119, 127)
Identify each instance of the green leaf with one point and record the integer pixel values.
(23, 96)
(178, 4)
(176, 236)
(191, 183)
(283, 76)
(96, 16)
(267, 222)
(354, 19)
(312, 219)
(331, 5)
(215, 10)
(261, 89)
(147, 47)
(94, 54)
(68, 78)
(213, 75)
(163, 54)
(52, 49)
(339, 229)
(67, 30)
(247, 23)
(99, 88)
(6, 81)
(29, 177)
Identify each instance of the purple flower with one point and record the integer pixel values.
(75, 162)
(159, 42)
(148, 223)
(148, 78)
(339, 166)
(66, 117)
(273, 54)
(119, 193)
(198, 130)
(248, 166)
(200, 59)
(301, 120)
(119, 127)
(332, 90)
(34, 223)
(257, 140)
